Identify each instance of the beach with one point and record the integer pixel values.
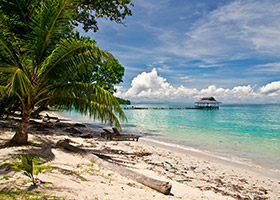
(247, 134)
(145, 100)
(192, 175)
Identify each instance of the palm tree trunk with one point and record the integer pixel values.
(21, 136)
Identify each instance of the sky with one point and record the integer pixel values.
(183, 50)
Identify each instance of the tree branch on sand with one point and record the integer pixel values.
(160, 186)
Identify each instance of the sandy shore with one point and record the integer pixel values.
(70, 176)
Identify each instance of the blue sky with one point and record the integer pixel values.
(182, 50)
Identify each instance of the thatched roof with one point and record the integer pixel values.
(208, 100)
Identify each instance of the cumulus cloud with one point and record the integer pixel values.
(271, 89)
(150, 87)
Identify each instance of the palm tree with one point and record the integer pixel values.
(40, 67)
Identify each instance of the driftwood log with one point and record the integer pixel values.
(160, 186)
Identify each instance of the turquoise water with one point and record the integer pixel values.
(243, 133)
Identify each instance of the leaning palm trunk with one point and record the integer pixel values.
(21, 136)
(41, 68)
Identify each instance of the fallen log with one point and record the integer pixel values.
(160, 186)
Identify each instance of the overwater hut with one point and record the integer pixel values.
(207, 103)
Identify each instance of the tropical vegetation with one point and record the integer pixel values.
(42, 62)
(123, 101)
(30, 167)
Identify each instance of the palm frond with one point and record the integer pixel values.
(8, 56)
(38, 65)
(3, 90)
(91, 100)
(20, 84)
(8, 69)
(68, 56)
(49, 20)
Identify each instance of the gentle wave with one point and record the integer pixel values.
(242, 134)
(231, 159)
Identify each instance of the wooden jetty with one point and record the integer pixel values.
(157, 108)
(206, 103)
(168, 108)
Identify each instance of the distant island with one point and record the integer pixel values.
(123, 101)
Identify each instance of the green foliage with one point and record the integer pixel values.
(18, 13)
(29, 166)
(6, 178)
(38, 65)
(104, 73)
(123, 101)
(88, 11)
(8, 105)
(107, 74)
(78, 175)
(23, 195)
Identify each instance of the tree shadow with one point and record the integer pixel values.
(117, 156)
(60, 128)
(42, 148)
(32, 187)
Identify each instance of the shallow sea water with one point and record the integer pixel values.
(243, 133)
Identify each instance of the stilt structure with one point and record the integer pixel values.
(207, 103)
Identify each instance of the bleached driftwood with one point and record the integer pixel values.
(160, 186)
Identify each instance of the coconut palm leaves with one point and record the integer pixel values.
(41, 67)
(29, 166)
(89, 99)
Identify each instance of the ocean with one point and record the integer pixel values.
(247, 134)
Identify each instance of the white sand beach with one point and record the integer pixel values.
(192, 175)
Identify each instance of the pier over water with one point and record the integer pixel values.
(171, 108)
(206, 103)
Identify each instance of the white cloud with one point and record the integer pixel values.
(238, 30)
(160, 65)
(207, 65)
(268, 68)
(152, 6)
(271, 89)
(146, 82)
(150, 87)
(186, 78)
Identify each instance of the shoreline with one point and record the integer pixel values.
(191, 174)
(248, 134)
(270, 173)
(241, 163)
